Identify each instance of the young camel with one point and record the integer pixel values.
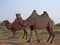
(16, 25)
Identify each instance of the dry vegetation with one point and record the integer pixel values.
(7, 39)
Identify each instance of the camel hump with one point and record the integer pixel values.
(45, 14)
(34, 10)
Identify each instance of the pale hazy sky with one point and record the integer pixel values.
(8, 8)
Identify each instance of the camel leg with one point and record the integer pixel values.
(37, 35)
(49, 38)
(13, 31)
(25, 33)
(30, 36)
(31, 29)
(49, 34)
(53, 35)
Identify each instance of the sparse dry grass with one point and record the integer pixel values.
(6, 38)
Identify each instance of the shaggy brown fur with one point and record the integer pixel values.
(16, 25)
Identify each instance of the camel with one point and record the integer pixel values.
(15, 26)
(36, 21)
(42, 21)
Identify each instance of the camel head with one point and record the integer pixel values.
(18, 16)
(6, 22)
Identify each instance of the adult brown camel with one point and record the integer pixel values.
(16, 25)
(42, 21)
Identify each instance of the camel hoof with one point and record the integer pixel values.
(47, 41)
(38, 41)
(50, 42)
(28, 41)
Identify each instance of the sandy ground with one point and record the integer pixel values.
(7, 39)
